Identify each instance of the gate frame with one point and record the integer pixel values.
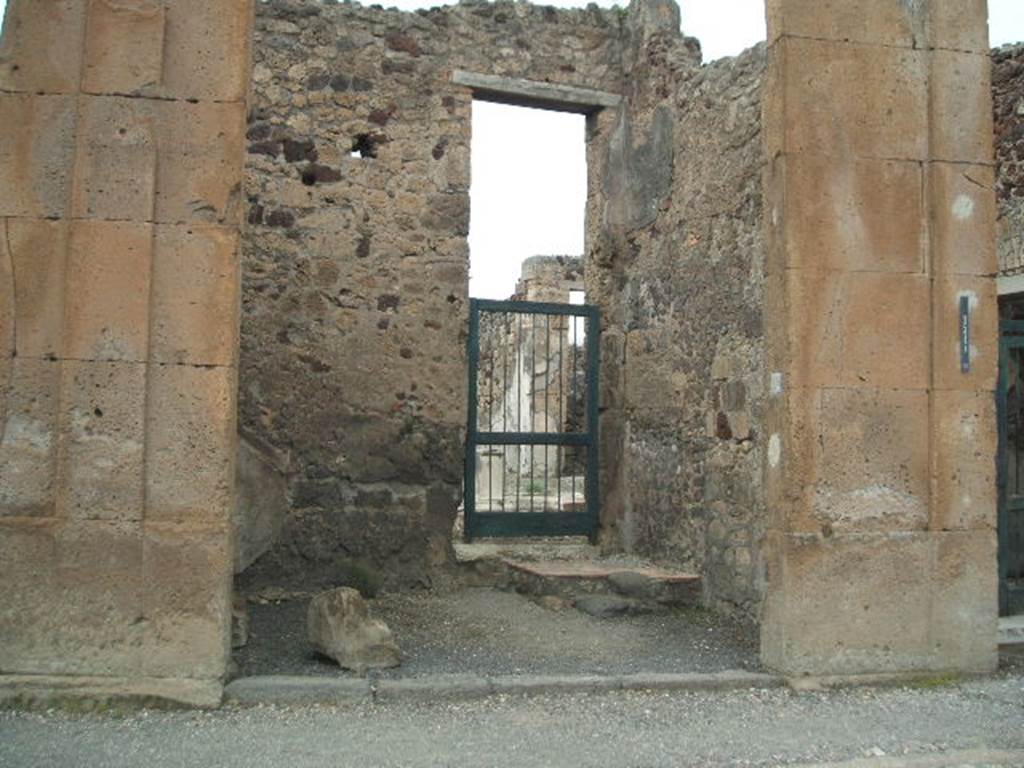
(511, 524)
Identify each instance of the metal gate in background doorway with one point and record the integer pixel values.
(532, 432)
(1010, 472)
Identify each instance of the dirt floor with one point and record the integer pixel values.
(489, 632)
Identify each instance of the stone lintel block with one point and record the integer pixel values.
(964, 438)
(102, 429)
(960, 25)
(107, 314)
(187, 600)
(982, 302)
(36, 151)
(871, 454)
(852, 329)
(116, 160)
(201, 153)
(38, 250)
(852, 214)
(196, 274)
(961, 107)
(27, 571)
(41, 47)
(190, 450)
(963, 218)
(29, 438)
(846, 100)
(96, 610)
(124, 50)
(208, 49)
(965, 601)
(848, 604)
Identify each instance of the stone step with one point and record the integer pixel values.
(1011, 630)
(579, 579)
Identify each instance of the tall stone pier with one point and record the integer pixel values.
(121, 130)
(881, 333)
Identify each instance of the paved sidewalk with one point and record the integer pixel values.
(931, 725)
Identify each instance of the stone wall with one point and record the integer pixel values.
(356, 260)
(121, 127)
(879, 473)
(1008, 98)
(688, 318)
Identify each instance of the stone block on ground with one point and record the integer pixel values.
(340, 627)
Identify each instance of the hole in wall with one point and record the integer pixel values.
(364, 145)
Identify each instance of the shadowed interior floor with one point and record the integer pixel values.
(489, 632)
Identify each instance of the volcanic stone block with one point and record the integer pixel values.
(852, 604)
(860, 100)
(882, 22)
(108, 269)
(125, 47)
(852, 329)
(28, 439)
(964, 445)
(208, 48)
(961, 107)
(872, 461)
(97, 605)
(187, 596)
(963, 218)
(853, 214)
(42, 46)
(190, 450)
(965, 604)
(38, 250)
(195, 295)
(115, 165)
(200, 161)
(102, 429)
(28, 572)
(36, 151)
(983, 330)
(959, 26)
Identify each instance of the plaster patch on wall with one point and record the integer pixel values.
(774, 451)
(775, 384)
(870, 506)
(963, 207)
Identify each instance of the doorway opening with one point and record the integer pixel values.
(531, 446)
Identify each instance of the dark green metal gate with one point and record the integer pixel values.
(1011, 467)
(532, 437)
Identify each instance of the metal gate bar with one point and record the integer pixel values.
(525, 362)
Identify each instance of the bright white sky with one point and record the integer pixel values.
(529, 172)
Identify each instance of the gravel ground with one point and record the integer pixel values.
(489, 632)
(745, 728)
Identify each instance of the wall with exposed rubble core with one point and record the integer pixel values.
(1008, 98)
(352, 377)
(687, 323)
(356, 262)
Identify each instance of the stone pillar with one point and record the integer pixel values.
(880, 456)
(121, 129)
